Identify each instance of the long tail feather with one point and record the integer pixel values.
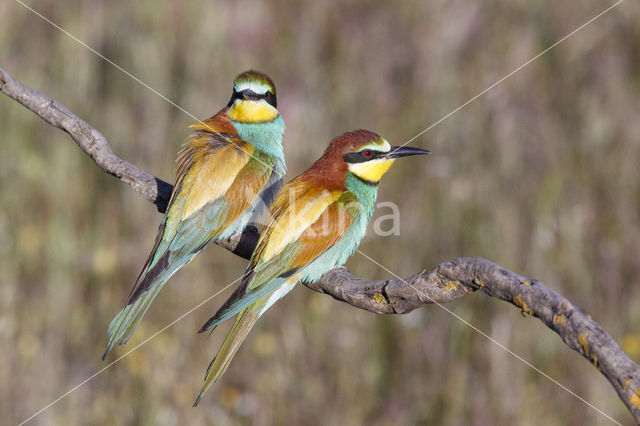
(239, 301)
(241, 327)
(125, 323)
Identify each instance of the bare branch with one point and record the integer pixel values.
(88, 139)
(451, 280)
(445, 282)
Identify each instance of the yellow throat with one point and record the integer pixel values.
(371, 171)
(250, 111)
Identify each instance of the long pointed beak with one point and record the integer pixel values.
(405, 151)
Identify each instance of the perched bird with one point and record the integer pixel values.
(231, 164)
(316, 222)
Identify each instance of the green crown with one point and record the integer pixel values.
(255, 79)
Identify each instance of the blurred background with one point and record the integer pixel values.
(540, 175)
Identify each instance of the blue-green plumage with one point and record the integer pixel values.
(266, 137)
(365, 194)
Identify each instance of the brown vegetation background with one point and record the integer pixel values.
(540, 175)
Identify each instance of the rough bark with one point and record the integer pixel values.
(445, 282)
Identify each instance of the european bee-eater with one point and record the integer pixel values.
(230, 160)
(316, 222)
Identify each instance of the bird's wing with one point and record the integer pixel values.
(222, 191)
(218, 178)
(304, 223)
(271, 189)
(204, 202)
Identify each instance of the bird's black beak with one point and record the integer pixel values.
(405, 151)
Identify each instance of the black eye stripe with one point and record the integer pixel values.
(271, 99)
(360, 157)
(251, 95)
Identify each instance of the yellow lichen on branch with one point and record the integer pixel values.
(584, 344)
(450, 286)
(478, 282)
(523, 306)
(379, 298)
(559, 319)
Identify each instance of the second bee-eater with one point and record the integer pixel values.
(316, 222)
(231, 164)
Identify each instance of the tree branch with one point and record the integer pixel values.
(445, 282)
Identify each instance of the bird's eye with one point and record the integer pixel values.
(267, 95)
(367, 153)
